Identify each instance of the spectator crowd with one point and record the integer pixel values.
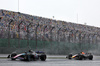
(47, 29)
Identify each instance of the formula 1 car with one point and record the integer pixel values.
(80, 56)
(28, 56)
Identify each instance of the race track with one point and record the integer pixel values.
(52, 62)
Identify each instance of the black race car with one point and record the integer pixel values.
(80, 56)
(28, 56)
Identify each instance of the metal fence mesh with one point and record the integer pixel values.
(52, 47)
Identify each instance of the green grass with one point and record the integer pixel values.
(3, 57)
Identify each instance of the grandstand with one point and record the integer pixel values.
(23, 30)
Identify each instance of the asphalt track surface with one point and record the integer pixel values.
(52, 61)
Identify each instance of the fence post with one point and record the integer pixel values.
(58, 38)
(44, 34)
(51, 35)
(36, 34)
(28, 35)
(19, 34)
(9, 32)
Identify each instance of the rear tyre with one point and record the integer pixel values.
(43, 57)
(90, 57)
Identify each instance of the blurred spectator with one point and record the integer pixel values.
(69, 31)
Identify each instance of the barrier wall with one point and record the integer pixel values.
(49, 47)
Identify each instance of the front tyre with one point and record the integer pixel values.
(13, 59)
(69, 56)
(12, 55)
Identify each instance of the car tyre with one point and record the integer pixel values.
(43, 57)
(90, 57)
(12, 55)
(69, 56)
